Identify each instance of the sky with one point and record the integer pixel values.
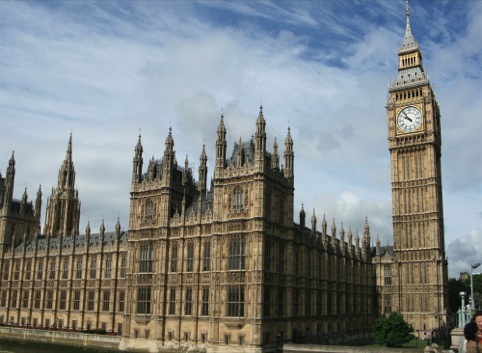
(107, 71)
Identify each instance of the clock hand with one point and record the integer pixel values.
(406, 117)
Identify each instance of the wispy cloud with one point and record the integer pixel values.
(105, 70)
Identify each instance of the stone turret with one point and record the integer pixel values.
(324, 239)
(203, 173)
(313, 223)
(333, 235)
(260, 140)
(275, 156)
(137, 162)
(38, 205)
(9, 183)
(302, 219)
(289, 157)
(63, 206)
(221, 145)
(169, 159)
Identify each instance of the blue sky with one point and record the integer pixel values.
(105, 70)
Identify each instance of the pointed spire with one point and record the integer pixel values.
(342, 237)
(302, 218)
(350, 240)
(169, 159)
(68, 155)
(366, 238)
(137, 161)
(203, 158)
(203, 173)
(102, 228)
(221, 144)
(185, 171)
(313, 222)
(38, 204)
(333, 229)
(23, 205)
(87, 232)
(169, 141)
(10, 181)
(11, 165)
(366, 234)
(139, 148)
(240, 155)
(221, 127)
(409, 43)
(357, 242)
(275, 157)
(66, 178)
(260, 139)
(323, 222)
(260, 117)
(289, 156)
(323, 230)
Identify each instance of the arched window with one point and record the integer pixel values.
(237, 253)
(238, 198)
(149, 209)
(146, 258)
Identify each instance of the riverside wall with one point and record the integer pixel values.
(118, 343)
(60, 337)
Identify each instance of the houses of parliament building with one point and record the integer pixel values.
(225, 265)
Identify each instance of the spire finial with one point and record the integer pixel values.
(407, 9)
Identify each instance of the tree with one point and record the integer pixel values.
(392, 331)
(456, 286)
(477, 290)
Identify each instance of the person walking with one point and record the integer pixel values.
(473, 334)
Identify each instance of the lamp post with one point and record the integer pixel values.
(472, 267)
(461, 312)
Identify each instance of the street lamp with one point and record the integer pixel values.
(461, 312)
(472, 267)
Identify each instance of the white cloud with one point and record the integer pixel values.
(464, 252)
(104, 70)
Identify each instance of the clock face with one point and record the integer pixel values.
(409, 119)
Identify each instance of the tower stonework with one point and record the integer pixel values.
(220, 268)
(63, 206)
(226, 268)
(222, 265)
(419, 269)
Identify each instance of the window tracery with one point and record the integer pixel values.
(238, 199)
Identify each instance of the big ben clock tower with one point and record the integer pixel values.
(419, 271)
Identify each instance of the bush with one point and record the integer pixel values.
(392, 331)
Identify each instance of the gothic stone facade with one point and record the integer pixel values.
(223, 267)
(412, 277)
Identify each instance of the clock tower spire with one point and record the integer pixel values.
(419, 271)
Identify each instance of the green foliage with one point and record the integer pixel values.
(392, 331)
(478, 290)
(455, 286)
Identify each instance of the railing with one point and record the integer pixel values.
(66, 337)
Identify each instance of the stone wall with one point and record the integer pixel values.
(61, 337)
(141, 345)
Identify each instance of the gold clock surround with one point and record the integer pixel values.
(399, 130)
